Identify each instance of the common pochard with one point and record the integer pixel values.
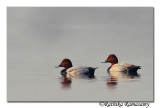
(123, 67)
(74, 71)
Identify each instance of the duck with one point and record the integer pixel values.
(71, 71)
(121, 67)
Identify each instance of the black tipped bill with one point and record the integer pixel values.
(104, 62)
(58, 66)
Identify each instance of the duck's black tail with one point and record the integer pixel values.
(133, 71)
(138, 67)
(90, 72)
(95, 68)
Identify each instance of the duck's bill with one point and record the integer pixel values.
(104, 62)
(58, 66)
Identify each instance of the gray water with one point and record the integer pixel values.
(39, 38)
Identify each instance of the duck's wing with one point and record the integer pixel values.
(133, 68)
(124, 67)
(78, 70)
(130, 66)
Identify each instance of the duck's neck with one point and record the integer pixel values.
(114, 63)
(67, 67)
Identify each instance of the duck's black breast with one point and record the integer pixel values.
(63, 72)
(108, 69)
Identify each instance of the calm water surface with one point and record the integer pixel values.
(44, 83)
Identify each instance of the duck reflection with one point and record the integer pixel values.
(116, 75)
(66, 82)
(66, 79)
(112, 82)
